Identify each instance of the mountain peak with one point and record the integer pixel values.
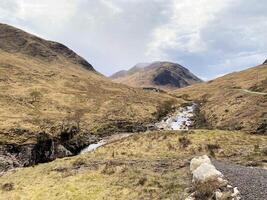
(14, 40)
(265, 62)
(161, 74)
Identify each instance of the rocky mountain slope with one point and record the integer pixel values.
(265, 62)
(236, 101)
(164, 75)
(51, 96)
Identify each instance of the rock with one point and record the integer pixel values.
(222, 182)
(191, 197)
(236, 193)
(196, 162)
(205, 172)
(218, 195)
(62, 152)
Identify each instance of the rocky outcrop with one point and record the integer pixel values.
(45, 149)
(265, 62)
(209, 183)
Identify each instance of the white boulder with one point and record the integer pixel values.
(205, 172)
(196, 162)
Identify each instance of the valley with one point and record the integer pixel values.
(69, 132)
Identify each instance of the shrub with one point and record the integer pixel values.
(264, 151)
(184, 142)
(212, 148)
(35, 95)
(206, 190)
(79, 162)
(7, 187)
(165, 109)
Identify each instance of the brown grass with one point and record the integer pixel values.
(142, 166)
(225, 105)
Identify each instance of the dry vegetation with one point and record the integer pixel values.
(225, 103)
(145, 166)
(44, 86)
(164, 75)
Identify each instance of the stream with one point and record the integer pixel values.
(180, 120)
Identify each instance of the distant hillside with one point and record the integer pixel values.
(265, 62)
(14, 41)
(235, 101)
(165, 75)
(46, 87)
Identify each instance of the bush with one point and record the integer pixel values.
(212, 148)
(165, 109)
(206, 190)
(35, 95)
(7, 187)
(184, 142)
(200, 120)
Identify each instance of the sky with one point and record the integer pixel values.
(209, 37)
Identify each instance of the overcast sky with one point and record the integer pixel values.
(210, 37)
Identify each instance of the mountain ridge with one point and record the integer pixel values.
(13, 40)
(161, 74)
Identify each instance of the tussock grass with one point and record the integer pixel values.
(145, 166)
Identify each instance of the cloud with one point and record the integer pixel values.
(183, 30)
(210, 37)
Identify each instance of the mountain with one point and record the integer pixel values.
(14, 41)
(265, 62)
(50, 97)
(164, 75)
(236, 101)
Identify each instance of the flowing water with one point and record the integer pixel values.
(180, 120)
(110, 139)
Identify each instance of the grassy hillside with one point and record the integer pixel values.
(153, 165)
(44, 85)
(53, 103)
(235, 101)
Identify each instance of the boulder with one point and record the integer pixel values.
(196, 162)
(205, 172)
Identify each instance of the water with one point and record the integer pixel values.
(181, 120)
(93, 147)
(107, 140)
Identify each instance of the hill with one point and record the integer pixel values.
(50, 97)
(234, 101)
(163, 75)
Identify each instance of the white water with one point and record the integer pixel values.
(93, 147)
(181, 120)
(113, 138)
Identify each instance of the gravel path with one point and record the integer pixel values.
(251, 182)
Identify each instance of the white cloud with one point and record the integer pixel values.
(210, 37)
(183, 31)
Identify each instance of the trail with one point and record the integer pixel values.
(252, 92)
(250, 181)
